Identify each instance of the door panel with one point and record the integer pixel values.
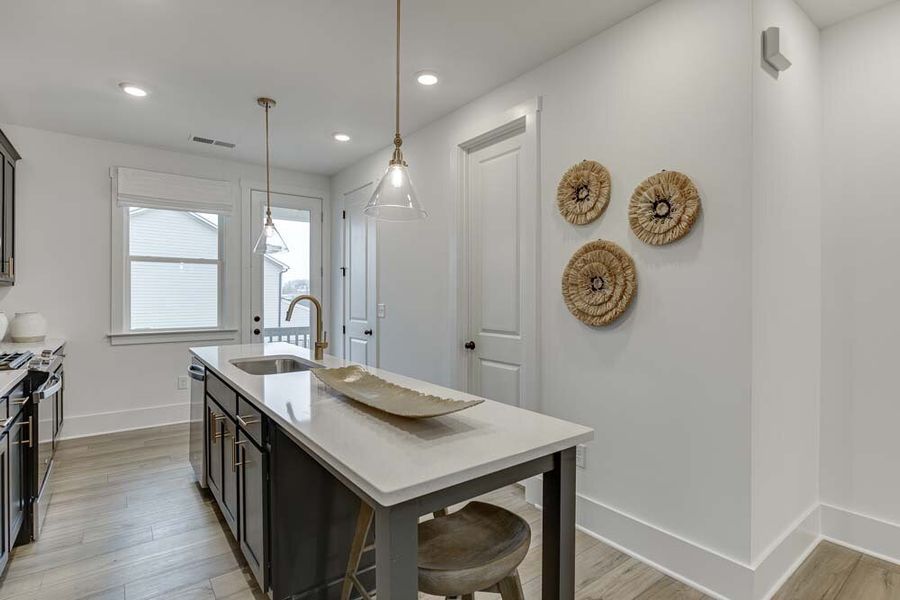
(229, 504)
(4, 500)
(276, 279)
(17, 473)
(253, 511)
(496, 263)
(359, 280)
(214, 424)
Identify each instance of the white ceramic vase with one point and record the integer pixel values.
(28, 327)
(4, 325)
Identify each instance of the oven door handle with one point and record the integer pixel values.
(52, 386)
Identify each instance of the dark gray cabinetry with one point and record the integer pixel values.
(293, 520)
(18, 473)
(5, 544)
(8, 158)
(214, 423)
(253, 506)
(229, 501)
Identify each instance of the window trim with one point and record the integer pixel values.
(120, 332)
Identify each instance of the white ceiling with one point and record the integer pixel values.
(825, 13)
(328, 63)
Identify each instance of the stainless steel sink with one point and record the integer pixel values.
(271, 365)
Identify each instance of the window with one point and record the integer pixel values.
(174, 269)
(168, 276)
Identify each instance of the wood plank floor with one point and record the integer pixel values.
(127, 522)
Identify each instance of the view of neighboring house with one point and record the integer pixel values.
(188, 291)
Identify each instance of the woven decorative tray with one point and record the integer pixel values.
(358, 384)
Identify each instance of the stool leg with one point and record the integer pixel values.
(363, 524)
(511, 588)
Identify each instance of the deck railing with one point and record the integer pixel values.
(291, 335)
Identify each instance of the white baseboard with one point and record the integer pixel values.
(870, 535)
(76, 426)
(704, 569)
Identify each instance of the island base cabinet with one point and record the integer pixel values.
(229, 501)
(214, 418)
(253, 503)
(5, 544)
(313, 525)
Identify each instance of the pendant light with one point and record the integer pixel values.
(394, 198)
(270, 241)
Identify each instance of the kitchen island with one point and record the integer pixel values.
(402, 468)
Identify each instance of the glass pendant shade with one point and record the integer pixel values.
(394, 198)
(270, 241)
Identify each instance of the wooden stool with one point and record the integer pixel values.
(476, 549)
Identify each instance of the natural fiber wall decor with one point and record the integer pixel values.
(599, 283)
(583, 192)
(664, 208)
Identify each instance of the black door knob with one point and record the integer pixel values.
(470, 345)
(256, 332)
(256, 319)
(368, 332)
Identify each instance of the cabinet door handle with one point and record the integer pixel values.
(235, 450)
(247, 421)
(215, 426)
(29, 440)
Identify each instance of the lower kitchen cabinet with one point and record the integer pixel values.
(253, 501)
(229, 501)
(214, 418)
(5, 544)
(18, 475)
(313, 514)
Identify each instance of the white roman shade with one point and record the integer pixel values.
(149, 189)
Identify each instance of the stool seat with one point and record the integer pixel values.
(470, 550)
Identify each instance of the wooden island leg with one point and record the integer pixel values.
(559, 528)
(397, 552)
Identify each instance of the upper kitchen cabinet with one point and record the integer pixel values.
(8, 157)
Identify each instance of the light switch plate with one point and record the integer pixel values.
(380, 311)
(182, 382)
(581, 456)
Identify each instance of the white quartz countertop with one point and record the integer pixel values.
(51, 343)
(390, 458)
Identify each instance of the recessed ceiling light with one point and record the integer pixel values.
(132, 90)
(427, 77)
(341, 137)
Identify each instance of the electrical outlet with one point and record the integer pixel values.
(182, 382)
(380, 311)
(581, 456)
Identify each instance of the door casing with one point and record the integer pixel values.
(523, 119)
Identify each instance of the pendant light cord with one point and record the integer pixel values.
(268, 186)
(397, 139)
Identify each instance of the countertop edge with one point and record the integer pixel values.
(20, 375)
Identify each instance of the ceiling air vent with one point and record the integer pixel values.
(211, 142)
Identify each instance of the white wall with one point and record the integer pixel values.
(861, 279)
(787, 173)
(667, 388)
(63, 270)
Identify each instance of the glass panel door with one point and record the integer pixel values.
(277, 279)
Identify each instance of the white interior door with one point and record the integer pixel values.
(278, 278)
(360, 323)
(500, 271)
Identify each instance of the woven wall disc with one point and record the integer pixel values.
(664, 208)
(599, 283)
(583, 192)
